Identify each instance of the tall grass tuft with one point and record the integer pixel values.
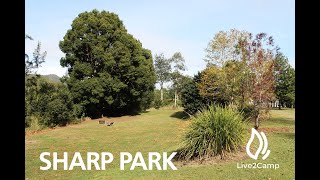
(34, 124)
(212, 132)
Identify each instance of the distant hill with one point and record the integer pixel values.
(52, 77)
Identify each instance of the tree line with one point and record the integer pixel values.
(243, 70)
(109, 73)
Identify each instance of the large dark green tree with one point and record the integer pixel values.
(285, 81)
(110, 73)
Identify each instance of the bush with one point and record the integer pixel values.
(157, 104)
(249, 112)
(49, 103)
(34, 124)
(57, 113)
(212, 132)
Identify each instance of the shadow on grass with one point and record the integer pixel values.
(144, 112)
(287, 135)
(180, 115)
(119, 115)
(281, 122)
(275, 108)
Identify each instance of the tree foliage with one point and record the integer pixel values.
(51, 103)
(162, 68)
(285, 81)
(177, 78)
(47, 104)
(241, 70)
(110, 72)
(259, 54)
(228, 84)
(170, 69)
(191, 99)
(38, 58)
(224, 47)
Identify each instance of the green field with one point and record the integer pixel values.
(156, 131)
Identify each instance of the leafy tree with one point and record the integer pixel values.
(50, 102)
(223, 47)
(241, 70)
(47, 104)
(31, 81)
(162, 68)
(110, 72)
(258, 53)
(191, 99)
(227, 84)
(59, 107)
(285, 81)
(212, 85)
(38, 58)
(177, 77)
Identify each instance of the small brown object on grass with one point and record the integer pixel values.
(105, 122)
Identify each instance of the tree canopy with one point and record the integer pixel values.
(224, 47)
(109, 71)
(240, 70)
(285, 81)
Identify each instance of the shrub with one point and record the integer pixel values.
(212, 132)
(50, 103)
(248, 111)
(157, 103)
(34, 123)
(57, 113)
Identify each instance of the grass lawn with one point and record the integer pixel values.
(155, 131)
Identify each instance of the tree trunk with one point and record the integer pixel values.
(161, 92)
(279, 105)
(256, 123)
(175, 99)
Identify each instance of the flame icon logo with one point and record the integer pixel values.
(263, 143)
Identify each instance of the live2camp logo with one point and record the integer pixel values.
(263, 148)
(263, 144)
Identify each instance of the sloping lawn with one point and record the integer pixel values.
(155, 131)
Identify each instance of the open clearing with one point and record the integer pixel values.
(156, 131)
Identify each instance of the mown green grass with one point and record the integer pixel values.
(154, 131)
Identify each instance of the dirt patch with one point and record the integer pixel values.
(38, 132)
(230, 157)
(276, 129)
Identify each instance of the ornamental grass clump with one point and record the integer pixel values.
(214, 131)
